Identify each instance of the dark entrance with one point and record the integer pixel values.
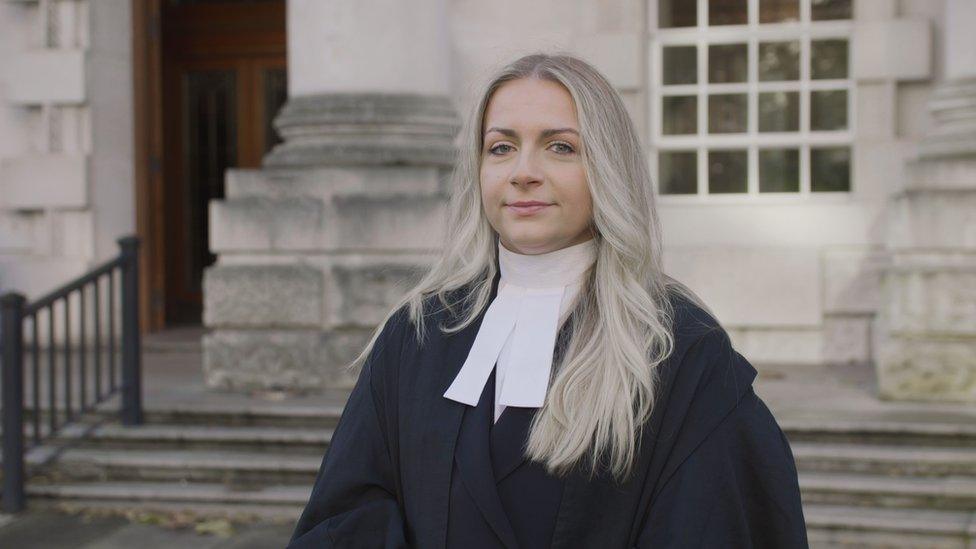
(221, 79)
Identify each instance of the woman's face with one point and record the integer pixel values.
(531, 154)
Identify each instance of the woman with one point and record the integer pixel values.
(546, 384)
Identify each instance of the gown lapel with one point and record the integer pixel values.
(447, 415)
(510, 434)
(508, 439)
(474, 460)
(486, 454)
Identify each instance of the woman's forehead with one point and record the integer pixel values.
(531, 106)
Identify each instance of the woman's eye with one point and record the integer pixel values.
(502, 148)
(567, 148)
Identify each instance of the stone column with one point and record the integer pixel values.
(926, 342)
(315, 247)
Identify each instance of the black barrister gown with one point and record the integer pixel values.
(407, 467)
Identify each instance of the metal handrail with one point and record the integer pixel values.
(15, 311)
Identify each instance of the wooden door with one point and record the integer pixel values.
(224, 78)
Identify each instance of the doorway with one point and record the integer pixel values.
(221, 77)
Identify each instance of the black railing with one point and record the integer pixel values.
(15, 312)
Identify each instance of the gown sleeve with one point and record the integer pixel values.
(354, 500)
(737, 489)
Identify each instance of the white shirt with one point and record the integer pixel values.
(517, 335)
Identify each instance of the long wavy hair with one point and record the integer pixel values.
(603, 386)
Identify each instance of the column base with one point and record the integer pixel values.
(357, 129)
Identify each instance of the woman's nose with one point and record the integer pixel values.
(526, 170)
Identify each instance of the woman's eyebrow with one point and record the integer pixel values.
(545, 133)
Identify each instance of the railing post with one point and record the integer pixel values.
(131, 348)
(11, 331)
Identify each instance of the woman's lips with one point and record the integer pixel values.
(527, 210)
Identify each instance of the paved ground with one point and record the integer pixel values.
(172, 377)
(55, 530)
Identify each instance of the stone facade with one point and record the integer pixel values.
(313, 247)
(66, 157)
(927, 341)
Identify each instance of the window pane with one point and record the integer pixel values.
(828, 59)
(727, 12)
(779, 61)
(830, 169)
(677, 13)
(830, 9)
(727, 63)
(778, 11)
(779, 111)
(828, 110)
(679, 114)
(680, 65)
(779, 171)
(727, 172)
(677, 172)
(727, 113)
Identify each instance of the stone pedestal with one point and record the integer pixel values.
(926, 338)
(315, 247)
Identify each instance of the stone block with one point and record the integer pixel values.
(41, 181)
(896, 49)
(770, 224)
(302, 360)
(262, 296)
(878, 173)
(758, 287)
(392, 222)
(75, 234)
(325, 182)
(778, 345)
(365, 294)
(265, 359)
(617, 55)
(958, 173)
(875, 9)
(941, 220)
(931, 295)
(16, 232)
(46, 76)
(261, 223)
(247, 182)
(852, 280)
(928, 369)
(847, 338)
(875, 104)
(35, 276)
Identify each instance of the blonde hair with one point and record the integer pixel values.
(603, 385)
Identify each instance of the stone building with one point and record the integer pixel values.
(285, 164)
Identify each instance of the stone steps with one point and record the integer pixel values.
(906, 433)
(947, 493)
(890, 482)
(313, 415)
(841, 526)
(230, 468)
(239, 512)
(319, 416)
(275, 500)
(890, 459)
(865, 483)
(289, 439)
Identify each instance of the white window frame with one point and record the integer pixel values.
(752, 140)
